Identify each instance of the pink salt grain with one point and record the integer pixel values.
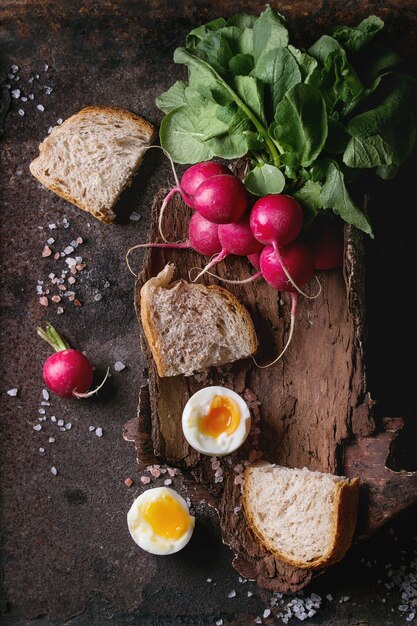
(238, 480)
(145, 480)
(46, 251)
(43, 300)
(56, 299)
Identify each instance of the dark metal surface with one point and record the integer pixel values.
(67, 553)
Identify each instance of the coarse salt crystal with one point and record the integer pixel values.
(91, 428)
(145, 480)
(15, 93)
(69, 250)
(209, 580)
(21, 112)
(41, 411)
(12, 392)
(236, 509)
(50, 241)
(41, 450)
(53, 418)
(155, 472)
(68, 426)
(31, 96)
(70, 261)
(37, 427)
(258, 620)
(119, 366)
(14, 68)
(98, 297)
(249, 594)
(71, 280)
(99, 432)
(48, 90)
(45, 394)
(78, 259)
(135, 217)
(266, 613)
(56, 299)
(172, 471)
(167, 482)
(128, 482)
(60, 310)
(51, 226)
(231, 594)
(329, 597)
(40, 107)
(23, 99)
(54, 471)
(219, 622)
(60, 422)
(51, 439)
(59, 121)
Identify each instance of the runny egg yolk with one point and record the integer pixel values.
(223, 417)
(166, 517)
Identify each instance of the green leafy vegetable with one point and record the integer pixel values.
(309, 121)
(265, 179)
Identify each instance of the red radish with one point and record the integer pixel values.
(277, 220)
(326, 237)
(68, 372)
(203, 237)
(197, 174)
(221, 199)
(235, 238)
(190, 181)
(298, 259)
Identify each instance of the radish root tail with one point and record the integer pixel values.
(88, 394)
(288, 275)
(181, 246)
(294, 299)
(217, 258)
(250, 279)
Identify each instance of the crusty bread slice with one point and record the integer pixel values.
(306, 519)
(190, 328)
(92, 156)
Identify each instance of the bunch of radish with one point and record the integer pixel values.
(269, 232)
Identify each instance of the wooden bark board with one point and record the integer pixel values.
(305, 407)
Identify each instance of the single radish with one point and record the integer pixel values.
(235, 238)
(203, 237)
(68, 372)
(326, 238)
(190, 181)
(222, 199)
(277, 220)
(298, 259)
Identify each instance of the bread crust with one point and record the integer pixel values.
(106, 215)
(343, 526)
(163, 279)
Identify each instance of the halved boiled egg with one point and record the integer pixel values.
(216, 421)
(160, 522)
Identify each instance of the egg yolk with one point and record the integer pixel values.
(222, 417)
(167, 517)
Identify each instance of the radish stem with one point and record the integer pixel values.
(52, 336)
(288, 275)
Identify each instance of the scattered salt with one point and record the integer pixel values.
(50, 241)
(21, 112)
(31, 96)
(41, 450)
(68, 426)
(99, 432)
(60, 422)
(15, 93)
(40, 107)
(53, 418)
(45, 394)
(37, 427)
(135, 217)
(219, 622)
(167, 482)
(91, 428)
(59, 121)
(13, 392)
(51, 226)
(249, 594)
(145, 480)
(51, 439)
(231, 594)
(266, 613)
(119, 366)
(54, 471)
(98, 297)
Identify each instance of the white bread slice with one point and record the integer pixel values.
(92, 156)
(190, 328)
(306, 519)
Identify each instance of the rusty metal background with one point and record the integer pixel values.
(67, 556)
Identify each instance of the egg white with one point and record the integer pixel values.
(143, 534)
(194, 411)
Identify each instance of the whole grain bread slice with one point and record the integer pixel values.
(191, 327)
(92, 157)
(304, 518)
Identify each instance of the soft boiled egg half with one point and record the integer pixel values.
(160, 522)
(216, 421)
